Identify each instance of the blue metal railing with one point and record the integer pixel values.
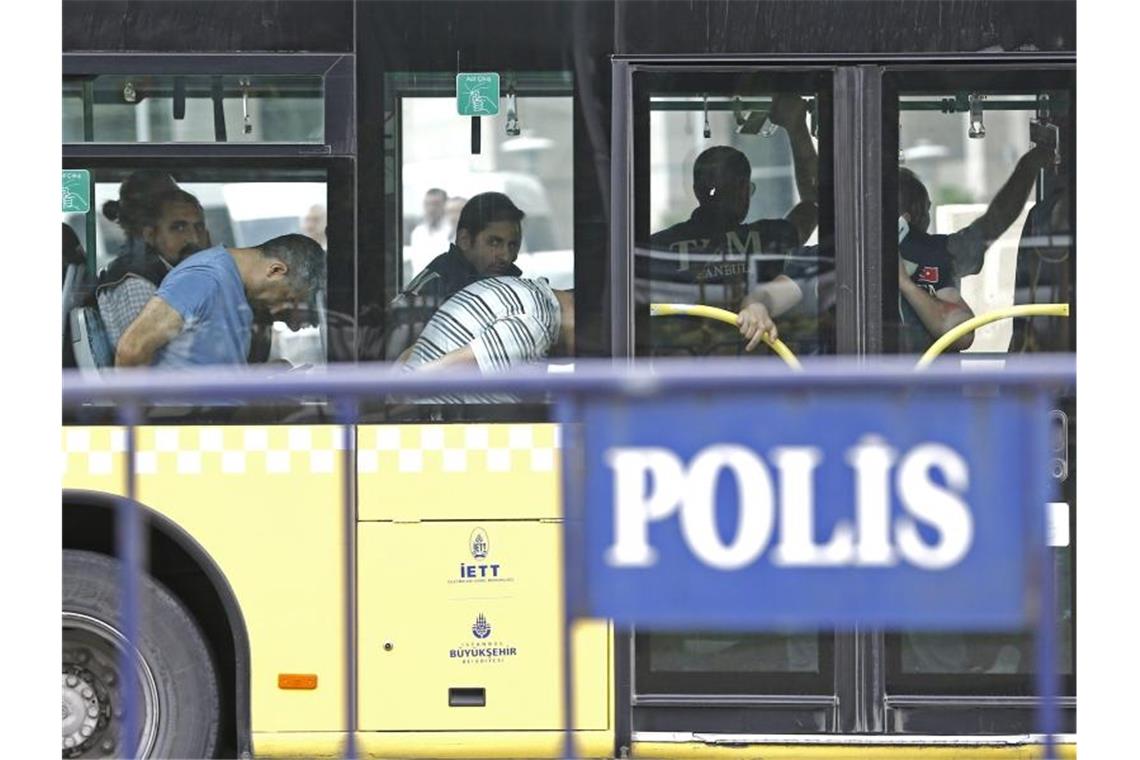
(346, 387)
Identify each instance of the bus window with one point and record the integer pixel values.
(197, 108)
(235, 210)
(731, 210)
(983, 196)
(466, 207)
(72, 111)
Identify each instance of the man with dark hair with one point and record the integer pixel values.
(931, 266)
(204, 309)
(707, 258)
(172, 227)
(487, 240)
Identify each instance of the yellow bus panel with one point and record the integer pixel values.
(265, 503)
(458, 472)
(449, 640)
(433, 744)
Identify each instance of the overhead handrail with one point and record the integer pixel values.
(1022, 310)
(721, 315)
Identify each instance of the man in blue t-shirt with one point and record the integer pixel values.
(205, 307)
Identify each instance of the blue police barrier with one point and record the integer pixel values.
(884, 507)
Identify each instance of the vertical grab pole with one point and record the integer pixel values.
(571, 522)
(129, 547)
(348, 412)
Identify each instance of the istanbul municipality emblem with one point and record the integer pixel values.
(481, 629)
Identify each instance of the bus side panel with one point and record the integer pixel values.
(427, 627)
(460, 583)
(265, 502)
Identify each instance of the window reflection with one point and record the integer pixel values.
(968, 243)
(148, 108)
(732, 218)
(492, 227)
(731, 199)
(151, 227)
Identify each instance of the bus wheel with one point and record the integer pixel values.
(174, 677)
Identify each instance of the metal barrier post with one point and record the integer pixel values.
(129, 547)
(571, 521)
(1048, 718)
(347, 413)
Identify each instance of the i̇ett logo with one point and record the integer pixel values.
(479, 571)
(480, 545)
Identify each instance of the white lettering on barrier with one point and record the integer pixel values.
(652, 484)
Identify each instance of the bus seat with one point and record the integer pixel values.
(89, 340)
(72, 276)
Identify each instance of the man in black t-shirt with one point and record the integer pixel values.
(712, 257)
(931, 266)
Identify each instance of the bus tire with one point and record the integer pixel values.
(176, 679)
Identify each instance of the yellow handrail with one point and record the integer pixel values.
(722, 315)
(1024, 310)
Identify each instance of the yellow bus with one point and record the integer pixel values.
(340, 120)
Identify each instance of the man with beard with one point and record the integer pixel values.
(175, 230)
(487, 240)
(203, 311)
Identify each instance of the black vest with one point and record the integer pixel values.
(137, 259)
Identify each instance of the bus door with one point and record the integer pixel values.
(730, 177)
(980, 164)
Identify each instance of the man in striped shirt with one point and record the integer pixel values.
(495, 324)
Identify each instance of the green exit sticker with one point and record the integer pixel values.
(76, 191)
(477, 94)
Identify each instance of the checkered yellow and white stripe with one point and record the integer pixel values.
(201, 450)
(458, 448)
(509, 470)
(458, 472)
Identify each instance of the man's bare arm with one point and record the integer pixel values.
(152, 329)
(790, 112)
(762, 305)
(1009, 201)
(940, 312)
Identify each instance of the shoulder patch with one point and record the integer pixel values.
(927, 274)
(420, 281)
